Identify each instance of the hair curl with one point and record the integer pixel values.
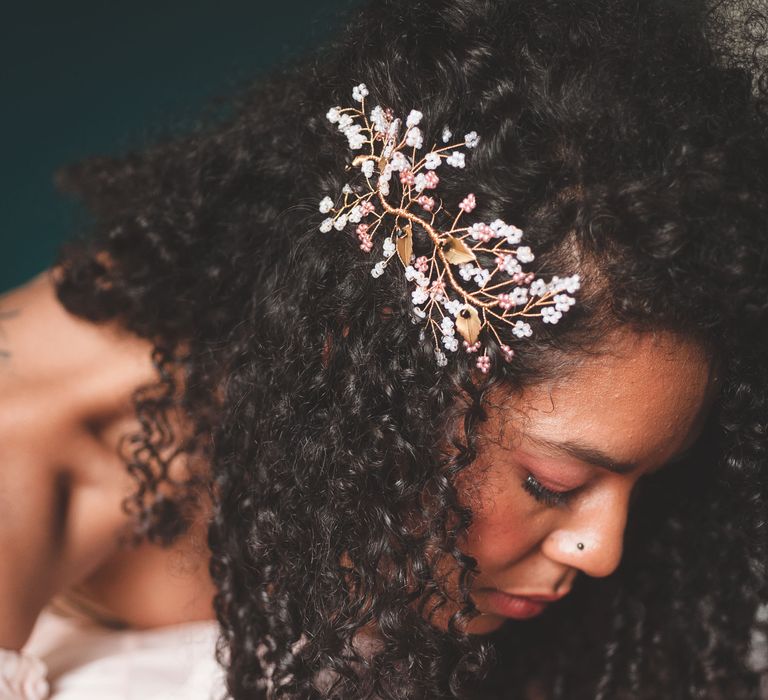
(629, 141)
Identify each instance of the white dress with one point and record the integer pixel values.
(71, 657)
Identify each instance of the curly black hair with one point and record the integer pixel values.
(629, 140)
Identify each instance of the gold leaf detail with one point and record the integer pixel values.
(404, 244)
(456, 251)
(468, 323)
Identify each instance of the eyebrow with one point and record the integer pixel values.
(594, 455)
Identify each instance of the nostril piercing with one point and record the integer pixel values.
(580, 545)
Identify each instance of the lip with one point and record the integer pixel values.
(517, 606)
(513, 606)
(541, 597)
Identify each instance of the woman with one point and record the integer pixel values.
(389, 509)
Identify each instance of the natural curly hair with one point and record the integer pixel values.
(629, 140)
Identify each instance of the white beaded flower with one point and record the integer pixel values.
(513, 234)
(471, 280)
(471, 139)
(549, 314)
(481, 277)
(521, 329)
(466, 270)
(524, 254)
(414, 118)
(451, 343)
(537, 288)
(453, 306)
(419, 295)
(356, 214)
(563, 302)
(399, 162)
(389, 247)
(414, 138)
(432, 161)
(456, 159)
(378, 268)
(360, 92)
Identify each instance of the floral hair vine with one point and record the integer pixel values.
(439, 298)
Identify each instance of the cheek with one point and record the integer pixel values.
(504, 527)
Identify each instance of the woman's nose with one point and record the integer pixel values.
(591, 537)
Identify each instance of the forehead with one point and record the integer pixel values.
(640, 399)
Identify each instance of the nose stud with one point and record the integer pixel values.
(579, 545)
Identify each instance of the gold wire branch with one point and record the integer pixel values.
(529, 297)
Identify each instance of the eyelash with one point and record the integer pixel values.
(544, 495)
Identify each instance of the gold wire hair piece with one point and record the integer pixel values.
(441, 293)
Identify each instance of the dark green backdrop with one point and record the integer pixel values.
(87, 77)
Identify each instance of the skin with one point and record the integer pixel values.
(642, 402)
(65, 387)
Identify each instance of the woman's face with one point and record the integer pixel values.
(580, 444)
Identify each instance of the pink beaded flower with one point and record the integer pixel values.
(468, 203)
(427, 203)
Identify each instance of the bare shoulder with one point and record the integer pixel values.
(66, 388)
(63, 379)
(63, 384)
(40, 339)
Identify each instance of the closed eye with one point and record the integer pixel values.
(547, 496)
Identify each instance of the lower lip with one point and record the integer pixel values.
(513, 606)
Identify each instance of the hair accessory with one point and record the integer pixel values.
(441, 278)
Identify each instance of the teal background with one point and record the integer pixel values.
(88, 77)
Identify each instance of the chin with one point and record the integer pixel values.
(486, 624)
